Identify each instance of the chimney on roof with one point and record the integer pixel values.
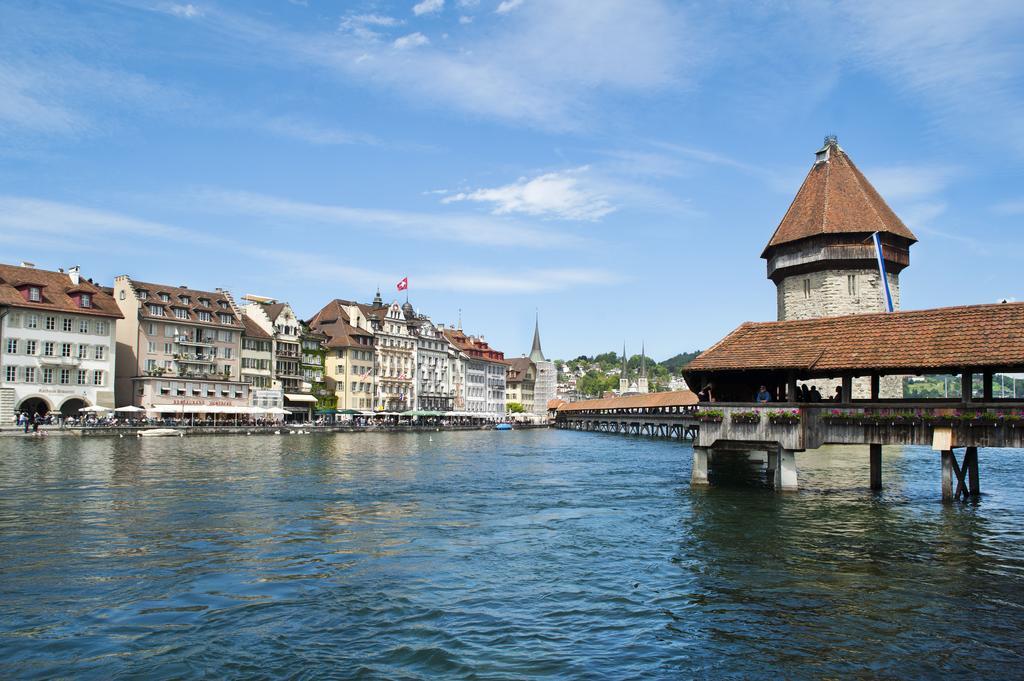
(26, 263)
(75, 274)
(831, 142)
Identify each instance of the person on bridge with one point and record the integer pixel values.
(706, 394)
(815, 394)
(763, 396)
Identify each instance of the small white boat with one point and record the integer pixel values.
(161, 432)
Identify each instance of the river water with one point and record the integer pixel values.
(495, 555)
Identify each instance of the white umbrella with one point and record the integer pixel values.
(130, 408)
(278, 411)
(94, 409)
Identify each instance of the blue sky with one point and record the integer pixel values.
(617, 166)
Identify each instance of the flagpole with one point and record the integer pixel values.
(881, 269)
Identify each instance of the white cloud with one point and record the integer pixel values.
(412, 40)
(362, 26)
(552, 195)
(59, 226)
(469, 229)
(469, 3)
(465, 20)
(546, 68)
(428, 7)
(188, 11)
(507, 6)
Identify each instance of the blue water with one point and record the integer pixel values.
(495, 555)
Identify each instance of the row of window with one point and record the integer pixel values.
(201, 315)
(32, 320)
(253, 363)
(183, 299)
(191, 335)
(53, 349)
(46, 375)
(851, 286)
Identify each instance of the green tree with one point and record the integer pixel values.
(515, 408)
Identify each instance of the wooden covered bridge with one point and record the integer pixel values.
(973, 341)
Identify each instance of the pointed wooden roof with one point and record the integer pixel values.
(836, 198)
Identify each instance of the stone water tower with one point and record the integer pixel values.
(822, 256)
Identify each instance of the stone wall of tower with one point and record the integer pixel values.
(828, 294)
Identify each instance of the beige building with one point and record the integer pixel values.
(177, 346)
(349, 364)
(395, 357)
(521, 383)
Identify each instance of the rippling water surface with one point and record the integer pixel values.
(494, 555)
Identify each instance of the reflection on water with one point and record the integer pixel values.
(495, 555)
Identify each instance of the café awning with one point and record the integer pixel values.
(299, 398)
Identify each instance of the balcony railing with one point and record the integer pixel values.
(47, 360)
(194, 340)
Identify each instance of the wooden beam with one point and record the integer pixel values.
(986, 382)
(876, 466)
(966, 386)
(971, 464)
(791, 388)
(947, 475)
(875, 386)
(847, 389)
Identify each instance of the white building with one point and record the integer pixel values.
(58, 334)
(433, 374)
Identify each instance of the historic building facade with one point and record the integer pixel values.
(349, 358)
(395, 358)
(521, 383)
(485, 372)
(58, 342)
(177, 346)
(434, 390)
(281, 323)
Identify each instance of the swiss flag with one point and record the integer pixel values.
(404, 284)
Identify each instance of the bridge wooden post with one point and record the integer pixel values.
(876, 466)
(699, 474)
(947, 475)
(971, 464)
(847, 389)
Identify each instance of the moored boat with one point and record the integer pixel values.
(161, 432)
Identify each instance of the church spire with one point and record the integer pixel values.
(643, 362)
(625, 363)
(536, 354)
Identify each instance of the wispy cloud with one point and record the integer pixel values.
(428, 7)
(187, 11)
(545, 66)
(307, 131)
(963, 58)
(551, 195)
(416, 39)
(507, 6)
(468, 229)
(907, 182)
(60, 226)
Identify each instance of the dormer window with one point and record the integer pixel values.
(165, 297)
(184, 300)
(85, 300)
(35, 295)
(143, 294)
(205, 302)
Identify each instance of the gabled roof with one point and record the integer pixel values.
(949, 339)
(333, 321)
(836, 198)
(274, 310)
(253, 330)
(518, 367)
(194, 306)
(56, 289)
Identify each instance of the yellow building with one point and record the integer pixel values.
(348, 367)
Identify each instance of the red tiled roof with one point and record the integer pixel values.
(950, 338)
(333, 321)
(253, 330)
(56, 288)
(836, 198)
(153, 292)
(674, 398)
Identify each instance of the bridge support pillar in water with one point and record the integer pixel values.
(785, 469)
(699, 476)
(876, 466)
